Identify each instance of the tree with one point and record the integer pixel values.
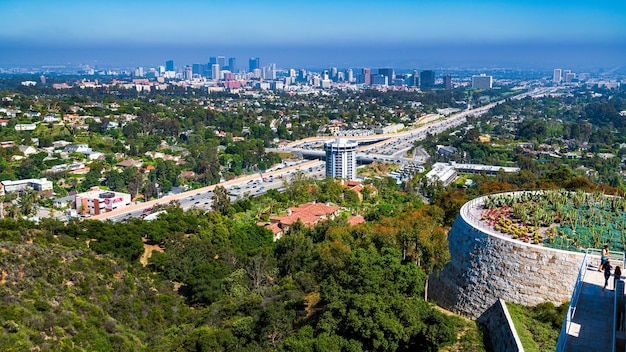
(221, 200)
(27, 203)
(295, 252)
(451, 202)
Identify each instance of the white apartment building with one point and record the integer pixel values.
(341, 158)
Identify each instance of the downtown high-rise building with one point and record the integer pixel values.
(197, 69)
(215, 71)
(169, 65)
(366, 76)
(414, 79)
(333, 73)
(187, 72)
(387, 72)
(253, 64)
(349, 75)
(482, 82)
(447, 81)
(232, 64)
(221, 60)
(302, 76)
(556, 78)
(427, 79)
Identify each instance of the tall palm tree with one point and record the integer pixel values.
(27, 203)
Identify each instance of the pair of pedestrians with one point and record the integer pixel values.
(617, 274)
(605, 266)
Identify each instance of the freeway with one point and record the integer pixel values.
(390, 148)
(198, 197)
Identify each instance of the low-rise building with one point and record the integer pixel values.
(447, 172)
(37, 184)
(98, 201)
(309, 214)
(390, 128)
(27, 150)
(77, 148)
(25, 127)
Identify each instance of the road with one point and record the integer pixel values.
(205, 193)
(391, 148)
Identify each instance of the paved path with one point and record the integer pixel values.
(593, 322)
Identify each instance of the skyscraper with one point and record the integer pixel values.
(197, 69)
(482, 82)
(221, 60)
(215, 71)
(169, 65)
(427, 79)
(333, 73)
(387, 72)
(187, 73)
(366, 74)
(414, 79)
(349, 75)
(341, 158)
(302, 75)
(232, 64)
(447, 81)
(212, 60)
(254, 63)
(556, 79)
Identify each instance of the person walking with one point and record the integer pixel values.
(607, 272)
(604, 257)
(617, 275)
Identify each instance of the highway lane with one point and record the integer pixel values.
(393, 144)
(145, 207)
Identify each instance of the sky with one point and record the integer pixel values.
(295, 32)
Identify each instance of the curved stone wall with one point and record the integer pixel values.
(486, 266)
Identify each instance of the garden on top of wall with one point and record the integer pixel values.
(559, 219)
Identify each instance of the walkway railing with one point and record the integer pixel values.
(571, 309)
(619, 335)
(590, 254)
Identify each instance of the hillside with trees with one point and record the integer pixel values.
(221, 283)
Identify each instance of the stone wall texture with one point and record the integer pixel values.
(486, 266)
(502, 332)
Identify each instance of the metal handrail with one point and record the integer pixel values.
(618, 300)
(571, 309)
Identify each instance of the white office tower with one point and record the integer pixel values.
(349, 75)
(482, 82)
(341, 158)
(215, 71)
(557, 76)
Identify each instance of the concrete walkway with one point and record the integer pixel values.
(591, 329)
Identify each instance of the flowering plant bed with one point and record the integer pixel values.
(558, 218)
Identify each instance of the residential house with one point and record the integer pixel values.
(130, 163)
(27, 150)
(309, 214)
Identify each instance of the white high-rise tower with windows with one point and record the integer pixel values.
(341, 158)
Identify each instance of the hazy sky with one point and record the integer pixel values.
(95, 25)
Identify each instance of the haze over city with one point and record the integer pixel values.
(525, 34)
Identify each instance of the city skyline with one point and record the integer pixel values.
(298, 33)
